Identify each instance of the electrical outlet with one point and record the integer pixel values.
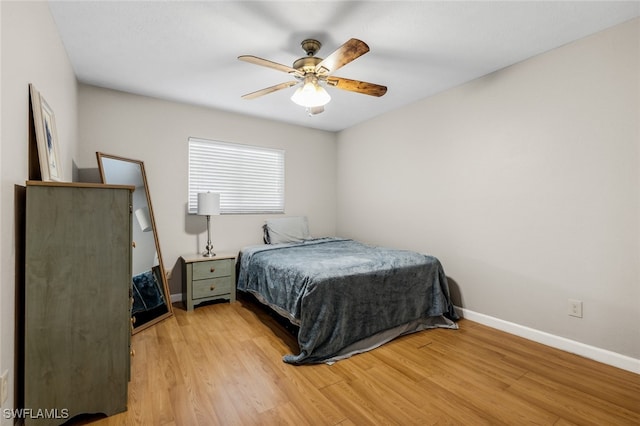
(4, 386)
(575, 308)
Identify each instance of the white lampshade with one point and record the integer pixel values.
(311, 95)
(142, 214)
(208, 203)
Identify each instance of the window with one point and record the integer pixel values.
(249, 179)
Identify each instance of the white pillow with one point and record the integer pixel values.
(293, 229)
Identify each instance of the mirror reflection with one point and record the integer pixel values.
(150, 292)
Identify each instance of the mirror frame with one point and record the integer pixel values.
(165, 285)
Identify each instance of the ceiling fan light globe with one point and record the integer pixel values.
(311, 95)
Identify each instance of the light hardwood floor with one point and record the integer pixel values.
(222, 364)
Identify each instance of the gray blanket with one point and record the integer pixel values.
(340, 291)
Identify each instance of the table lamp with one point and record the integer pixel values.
(208, 205)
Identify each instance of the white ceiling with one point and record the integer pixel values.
(187, 51)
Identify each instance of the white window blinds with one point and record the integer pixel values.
(249, 179)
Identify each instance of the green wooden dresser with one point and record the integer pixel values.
(76, 300)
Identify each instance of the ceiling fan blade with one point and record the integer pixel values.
(344, 54)
(268, 90)
(269, 64)
(357, 86)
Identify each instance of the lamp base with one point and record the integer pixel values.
(208, 254)
(209, 247)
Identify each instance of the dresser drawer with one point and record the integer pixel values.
(211, 287)
(212, 269)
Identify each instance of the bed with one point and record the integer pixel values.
(344, 296)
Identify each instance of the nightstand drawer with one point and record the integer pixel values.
(211, 287)
(208, 278)
(212, 269)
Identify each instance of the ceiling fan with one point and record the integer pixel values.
(314, 72)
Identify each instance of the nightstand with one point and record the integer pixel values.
(208, 278)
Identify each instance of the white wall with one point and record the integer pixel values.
(31, 53)
(524, 183)
(156, 132)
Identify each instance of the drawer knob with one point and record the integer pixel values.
(213, 287)
(213, 269)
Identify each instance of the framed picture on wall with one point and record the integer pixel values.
(46, 137)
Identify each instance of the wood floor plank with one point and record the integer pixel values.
(221, 364)
(388, 403)
(297, 384)
(573, 404)
(485, 394)
(609, 383)
(475, 360)
(404, 360)
(359, 410)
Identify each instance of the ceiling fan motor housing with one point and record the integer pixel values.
(307, 64)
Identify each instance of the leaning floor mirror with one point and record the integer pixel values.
(150, 291)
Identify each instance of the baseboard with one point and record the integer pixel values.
(176, 298)
(597, 354)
